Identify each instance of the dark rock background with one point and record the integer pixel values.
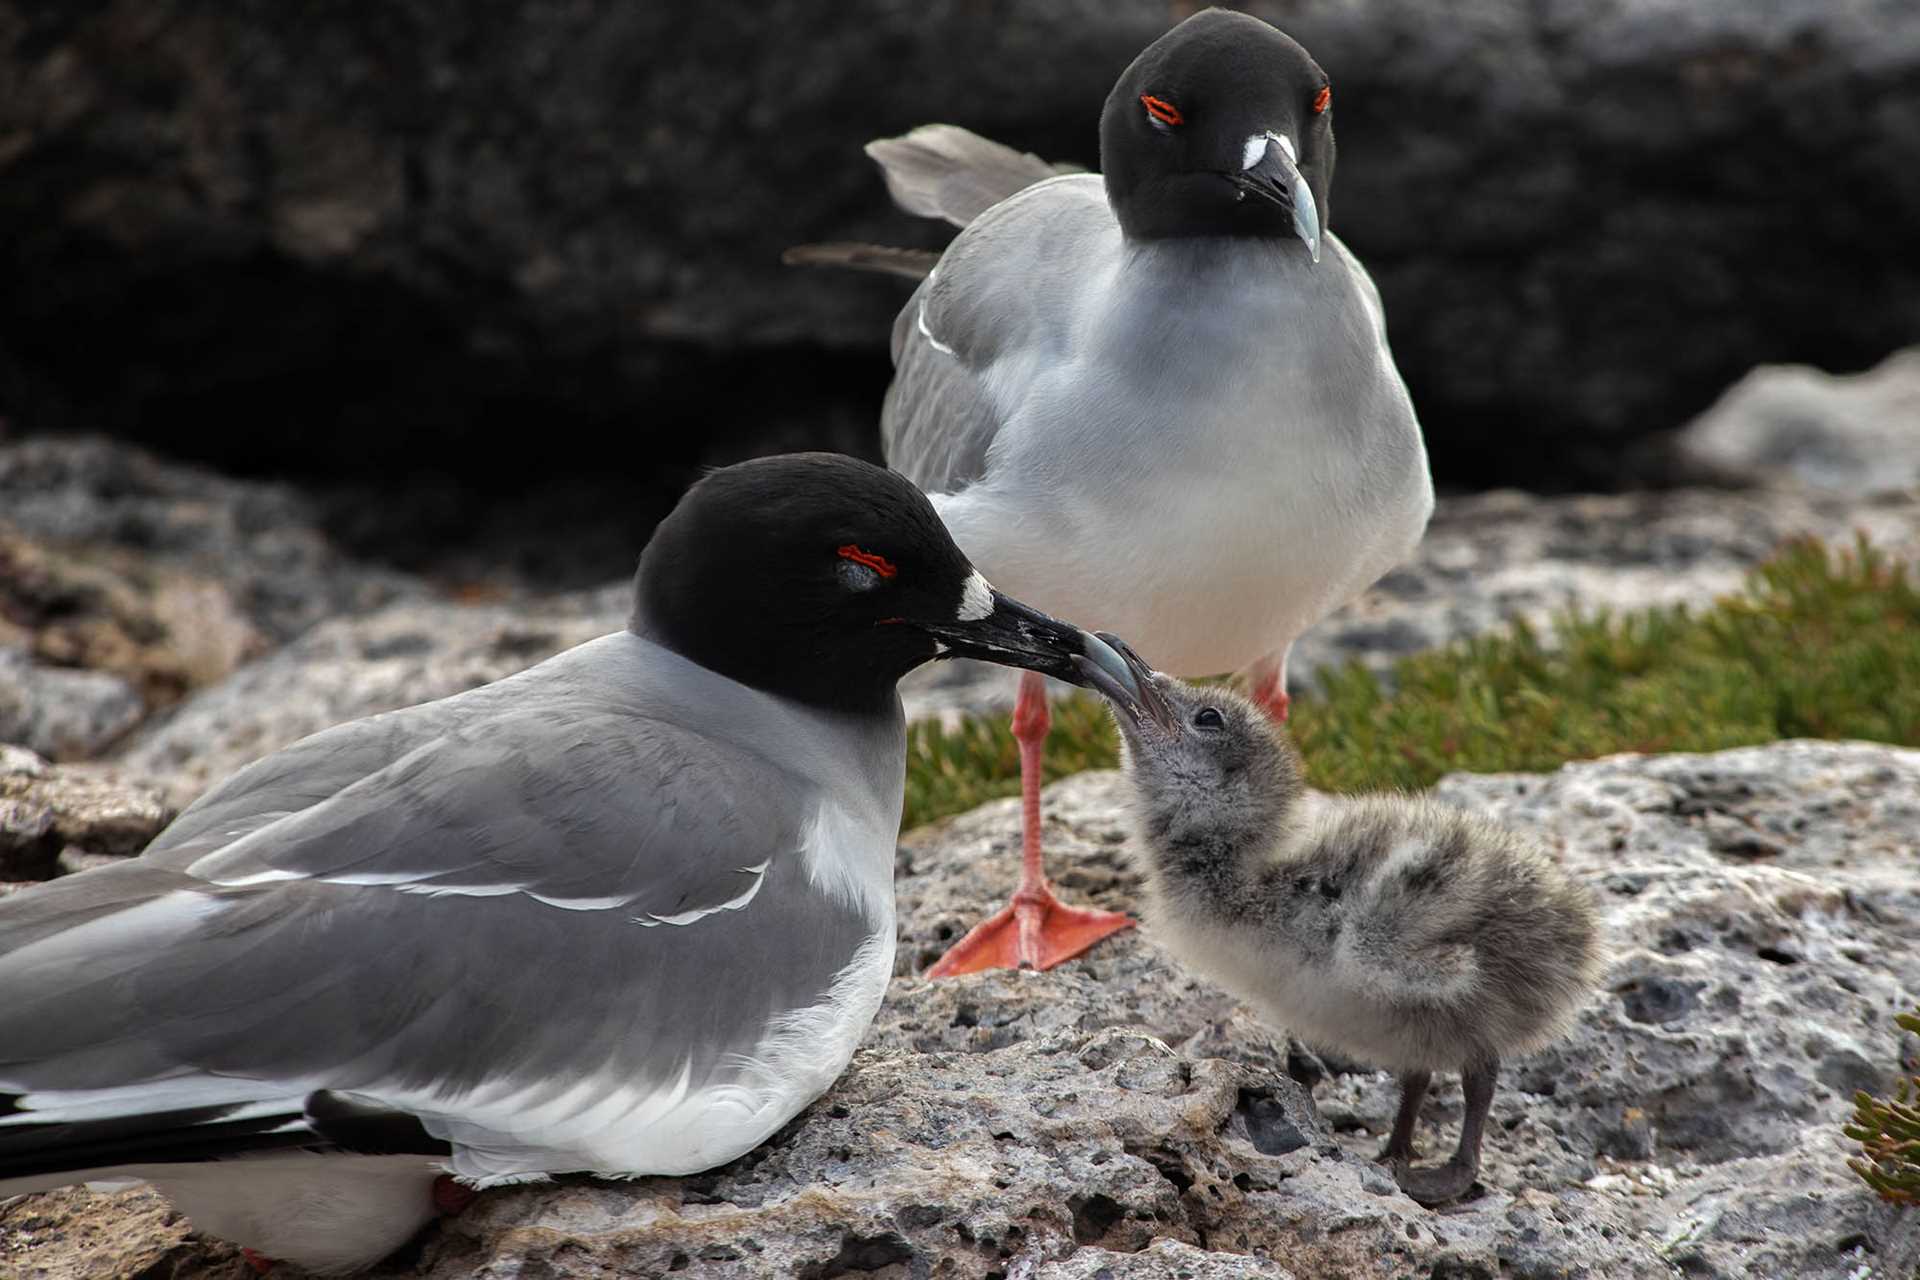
(518, 260)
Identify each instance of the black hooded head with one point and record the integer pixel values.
(825, 579)
(1223, 126)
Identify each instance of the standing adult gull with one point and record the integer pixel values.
(1157, 399)
(626, 912)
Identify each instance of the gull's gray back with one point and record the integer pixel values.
(554, 917)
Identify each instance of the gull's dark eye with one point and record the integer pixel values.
(1208, 718)
(863, 570)
(857, 577)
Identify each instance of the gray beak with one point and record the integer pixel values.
(1135, 696)
(1018, 635)
(1272, 174)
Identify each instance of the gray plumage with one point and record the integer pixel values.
(1162, 450)
(411, 883)
(1391, 928)
(627, 912)
(944, 171)
(909, 264)
(937, 171)
(1195, 438)
(582, 786)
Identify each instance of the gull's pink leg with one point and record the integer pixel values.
(1036, 930)
(1268, 680)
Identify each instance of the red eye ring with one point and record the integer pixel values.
(1322, 99)
(878, 563)
(1162, 110)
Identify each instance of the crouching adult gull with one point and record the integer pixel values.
(626, 912)
(1157, 399)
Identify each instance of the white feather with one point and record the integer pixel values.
(976, 598)
(759, 873)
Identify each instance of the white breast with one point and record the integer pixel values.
(1206, 481)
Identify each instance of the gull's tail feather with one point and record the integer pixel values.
(913, 264)
(944, 171)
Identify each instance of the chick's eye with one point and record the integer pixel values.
(1162, 113)
(1208, 718)
(862, 570)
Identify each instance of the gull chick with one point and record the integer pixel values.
(1393, 929)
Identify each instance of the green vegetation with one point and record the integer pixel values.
(1888, 1131)
(1815, 646)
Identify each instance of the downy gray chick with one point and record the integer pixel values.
(1388, 927)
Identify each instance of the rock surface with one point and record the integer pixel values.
(1856, 435)
(110, 609)
(63, 713)
(1586, 219)
(1118, 1117)
(74, 1234)
(127, 582)
(48, 812)
(97, 527)
(345, 668)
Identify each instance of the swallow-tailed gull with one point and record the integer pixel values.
(626, 912)
(1158, 399)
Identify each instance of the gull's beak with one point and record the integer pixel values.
(1270, 171)
(1137, 699)
(1001, 629)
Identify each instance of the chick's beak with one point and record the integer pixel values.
(1137, 700)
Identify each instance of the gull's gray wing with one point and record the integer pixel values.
(989, 322)
(299, 776)
(944, 171)
(494, 932)
(937, 171)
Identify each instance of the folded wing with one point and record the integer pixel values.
(506, 932)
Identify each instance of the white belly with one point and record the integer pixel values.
(1209, 499)
(327, 1214)
(1204, 560)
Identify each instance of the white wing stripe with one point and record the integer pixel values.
(920, 322)
(757, 871)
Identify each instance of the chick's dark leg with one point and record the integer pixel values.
(1452, 1180)
(1413, 1091)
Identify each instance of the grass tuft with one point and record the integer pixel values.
(1888, 1131)
(1816, 645)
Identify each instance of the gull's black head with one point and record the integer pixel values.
(825, 579)
(1221, 127)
